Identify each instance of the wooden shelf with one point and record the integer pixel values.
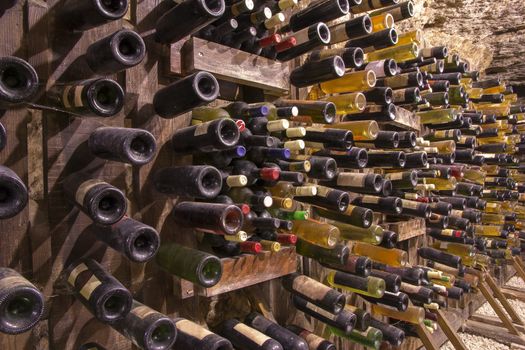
(405, 120)
(406, 229)
(244, 271)
(229, 64)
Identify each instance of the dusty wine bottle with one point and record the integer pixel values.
(375, 41)
(328, 198)
(370, 286)
(137, 241)
(322, 38)
(215, 135)
(322, 11)
(147, 328)
(356, 182)
(190, 264)
(209, 217)
(288, 339)
(244, 337)
(337, 255)
(440, 257)
(19, 82)
(22, 304)
(372, 5)
(191, 335)
(353, 57)
(116, 52)
(201, 181)
(102, 202)
(391, 334)
(82, 15)
(99, 291)
(184, 94)
(351, 29)
(127, 145)
(314, 341)
(196, 13)
(13, 193)
(392, 281)
(312, 73)
(320, 111)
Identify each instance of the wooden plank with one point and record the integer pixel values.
(405, 120)
(520, 271)
(513, 293)
(493, 321)
(406, 229)
(503, 300)
(497, 308)
(425, 336)
(234, 65)
(450, 330)
(499, 334)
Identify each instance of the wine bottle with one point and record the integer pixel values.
(378, 158)
(391, 334)
(102, 202)
(403, 180)
(102, 97)
(321, 234)
(380, 95)
(353, 215)
(19, 82)
(412, 275)
(252, 172)
(243, 336)
(328, 198)
(100, 292)
(389, 239)
(193, 265)
(384, 140)
(384, 113)
(355, 264)
(350, 82)
(288, 339)
(399, 53)
(392, 281)
(13, 193)
(375, 41)
(323, 11)
(394, 257)
(116, 52)
(351, 29)
(448, 235)
(418, 293)
(412, 314)
(353, 57)
(201, 181)
(413, 208)
(370, 286)
(197, 14)
(21, 302)
(368, 6)
(356, 182)
(314, 292)
(263, 126)
(82, 16)
(344, 320)
(209, 217)
(440, 257)
(407, 95)
(137, 241)
(337, 255)
(319, 111)
(397, 301)
(215, 135)
(402, 81)
(318, 36)
(373, 234)
(184, 94)
(314, 341)
(147, 328)
(191, 335)
(387, 205)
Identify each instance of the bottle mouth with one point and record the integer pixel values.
(389, 20)
(112, 9)
(344, 6)
(391, 111)
(343, 202)
(116, 305)
(410, 8)
(206, 86)
(210, 182)
(232, 219)
(145, 244)
(388, 95)
(13, 197)
(413, 178)
(362, 158)
(106, 97)
(142, 147)
(110, 206)
(330, 169)
(18, 80)
(386, 187)
(391, 67)
(323, 32)
(215, 8)
(162, 335)
(210, 271)
(339, 66)
(130, 49)
(21, 311)
(371, 78)
(329, 112)
(367, 24)
(393, 36)
(358, 57)
(228, 132)
(360, 101)
(378, 183)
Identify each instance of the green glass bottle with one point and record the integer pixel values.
(371, 338)
(371, 286)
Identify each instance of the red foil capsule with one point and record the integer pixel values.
(250, 247)
(270, 174)
(240, 124)
(270, 40)
(286, 44)
(287, 239)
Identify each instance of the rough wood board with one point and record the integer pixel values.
(406, 229)
(491, 331)
(493, 321)
(234, 65)
(405, 120)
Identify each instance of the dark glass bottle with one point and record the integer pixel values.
(355, 158)
(102, 202)
(392, 281)
(384, 140)
(244, 337)
(217, 135)
(344, 320)
(102, 97)
(190, 264)
(440, 257)
(351, 29)
(127, 145)
(398, 300)
(288, 339)
(320, 111)
(357, 216)
(407, 96)
(191, 335)
(201, 181)
(99, 291)
(147, 328)
(84, 15)
(322, 37)
(314, 292)
(403, 180)
(252, 172)
(137, 241)
(391, 334)
(353, 57)
(387, 205)
(220, 159)
(354, 264)
(314, 341)
(328, 198)
(375, 41)
(356, 182)
(13, 193)
(416, 159)
(19, 82)
(379, 95)
(447, 235)
(209, 217)
(116, 52)
(21, 303)
(384, 113)
(196, 14)
(322, 11)
(337, 255)
(389, 240)
(312, 72)
(184, 94)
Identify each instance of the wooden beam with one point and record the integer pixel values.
(503, 300)
(520, 271)
(425, 336)
(449, 331)
(513, 293)
(499, 311)
(493, 321)
(493, 332)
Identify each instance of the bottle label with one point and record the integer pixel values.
(395, 176)
(84, 188)
(443, 245)
(456, 212)
(75, 272)
(370, 199)
(409, 204)
(320, 311)
(313, 340)
(338, 34)
(77, 96)
(253, 334)
(89, 287)
(201, 129)
(192, 329)
(312, 288)
(143, 311)
(447, 232)
(409, 288)
(351, 180)
(323, 191)
(236, 181)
